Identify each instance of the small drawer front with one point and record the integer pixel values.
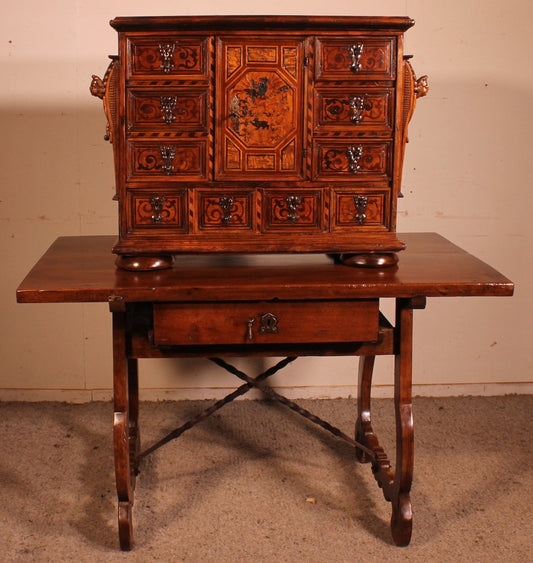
(292, 210)
(360, 210)
(172, 110)
(265, 322)
(355, 58)
(352, 160)
(227, 210)
(353, 110)
(168, 160)
(159, 210)
(169, 56)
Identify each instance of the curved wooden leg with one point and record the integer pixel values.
(402, 515)
(363, 426)
(122, 436)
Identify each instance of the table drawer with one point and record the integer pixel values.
(265, 322)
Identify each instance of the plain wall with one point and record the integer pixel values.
(467, 176)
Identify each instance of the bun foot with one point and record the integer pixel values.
(370, 260)
(143, 263)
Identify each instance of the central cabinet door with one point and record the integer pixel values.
(260, 105)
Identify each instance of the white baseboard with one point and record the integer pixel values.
(378, 391)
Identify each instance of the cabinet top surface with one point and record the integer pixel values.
(81, 269)
(267, 23)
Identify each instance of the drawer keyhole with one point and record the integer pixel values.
(268, 324)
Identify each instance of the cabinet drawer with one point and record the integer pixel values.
(353, 110)
(225, 210)
(352, 160)
(168, 56)
(292, 210)
(360, 210)
(167, 160)
(355, 58)
(169, 110)
(265, 322)
(159, 210)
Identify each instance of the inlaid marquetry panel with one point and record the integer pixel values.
(355, 58)
(260, 108)
(225, 210)
(358, 159)
(171, 56)
(167, 110)
(292, 210)
(359, 209)
(167, 160)
(353, 110)
(159, 209)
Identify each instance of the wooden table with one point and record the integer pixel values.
(263, 305)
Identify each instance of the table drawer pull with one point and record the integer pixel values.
(250, 325)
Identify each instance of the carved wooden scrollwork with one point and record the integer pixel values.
(106, 89)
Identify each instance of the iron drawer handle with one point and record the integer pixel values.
(354, 154)
(168, 107)
(356, 109)
(355, 53)
(250, 323)
(361, 203)
(168, 154)
(166, 52)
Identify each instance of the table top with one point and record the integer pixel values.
(81, 269)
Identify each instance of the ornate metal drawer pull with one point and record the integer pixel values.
(226, 204)
(168, 154)
(157, 203)
(356, 51)
(361, 203)
(250, 325)
(168, 105)
(293, 203)
(356, 109)
(166, 51)
(354, 154)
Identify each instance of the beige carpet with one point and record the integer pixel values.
(237, 486)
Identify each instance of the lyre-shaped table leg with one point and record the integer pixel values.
(402, 516)
(396, 483)
(125, 433)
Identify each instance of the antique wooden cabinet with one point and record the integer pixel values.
(258, 134)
